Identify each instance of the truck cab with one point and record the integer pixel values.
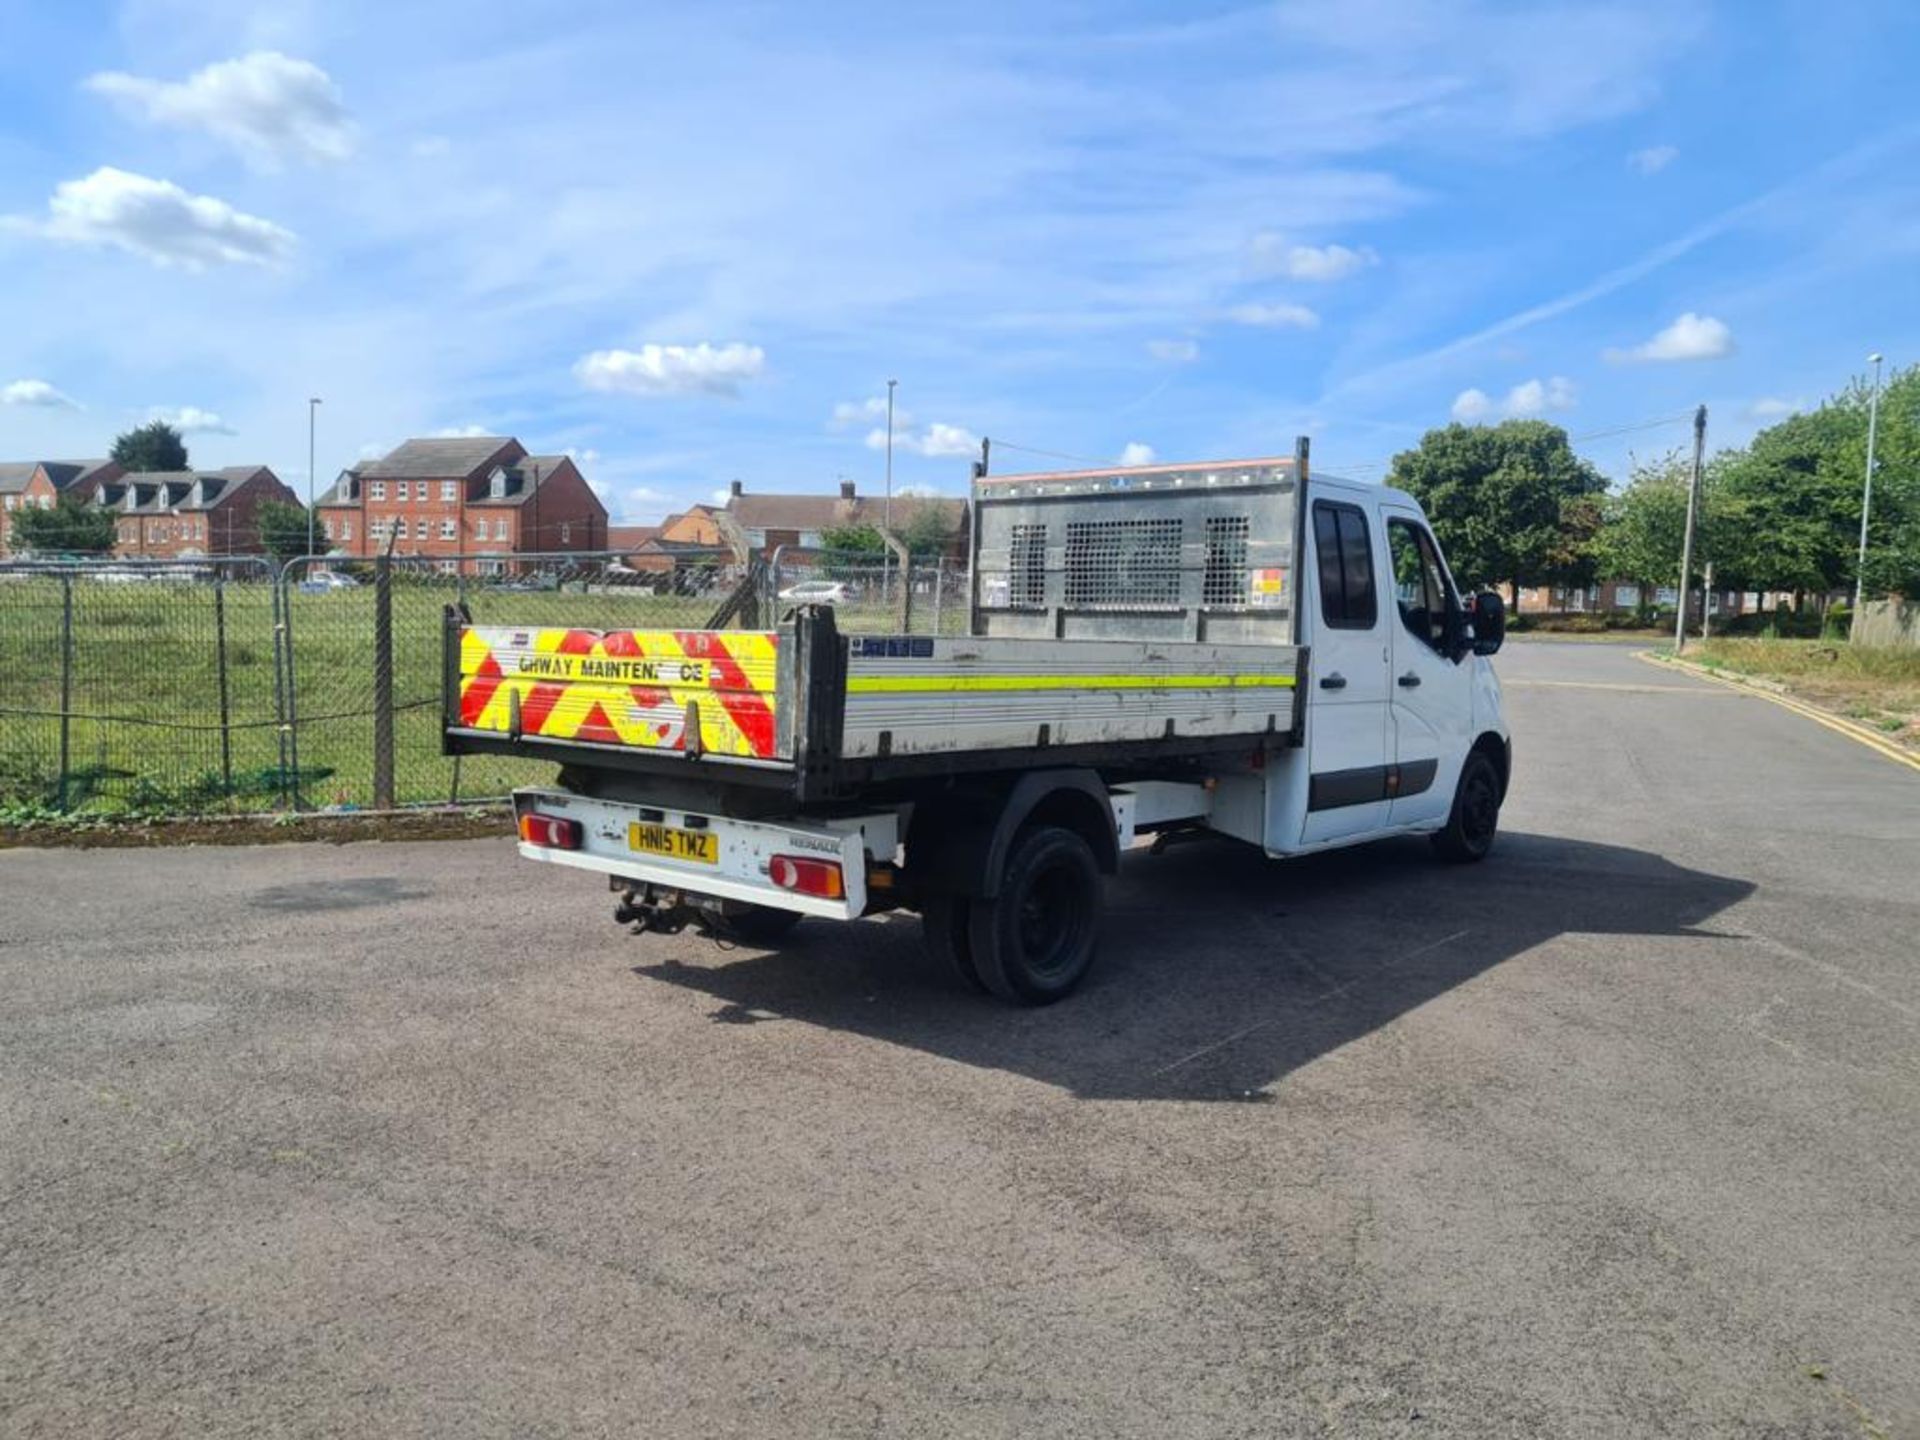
(1236, 647)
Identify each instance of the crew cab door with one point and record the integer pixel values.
(1431, 686)
(1349, 733)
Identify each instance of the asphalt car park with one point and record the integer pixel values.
(1615, 1134)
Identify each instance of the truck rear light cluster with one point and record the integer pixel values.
(551, 832)
(807, 876)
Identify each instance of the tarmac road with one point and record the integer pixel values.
(1616, 1134)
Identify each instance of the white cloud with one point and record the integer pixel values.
(37, 393)
(1137, 453)
(1529, 397)
(1535, 397)
(1174, 352)
(935, 441)
(191, 420)
(701, 369)
(1774, 408)
(157, 220)
(1471, 405)
(1653, 159)
(864, 412)
(1691, 337)
(1278, 315)
(461, 432)
(268, 106)
(1318, 263)
(581, 458)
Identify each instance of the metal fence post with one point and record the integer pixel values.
(277, 584)
(293, 693)
(383, 682)
(66, 684)
(939, 579)
(220, 668)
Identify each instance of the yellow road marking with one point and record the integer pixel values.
(944, 684)
(1799, 707)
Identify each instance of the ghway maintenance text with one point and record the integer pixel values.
(595, 667)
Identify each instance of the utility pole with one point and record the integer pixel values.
(1686, 546)
(313, 404)
(1866, 495)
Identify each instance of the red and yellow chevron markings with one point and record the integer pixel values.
(624, 687)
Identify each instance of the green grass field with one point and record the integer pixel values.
(1879, 685)
(145, 698)
(145, 734)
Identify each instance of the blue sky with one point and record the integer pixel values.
(692, 242)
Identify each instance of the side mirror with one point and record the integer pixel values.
(1487, 615)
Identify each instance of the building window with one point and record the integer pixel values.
(480, 528)
(376, 490)
(449, 529)
(326, 528)
(449, 567)
(420, 529)
(566, 533)
(346, 529)
(500, 528)
(449, 489)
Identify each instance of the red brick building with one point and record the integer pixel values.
(189, 514)
(37, 484)
(484, 497)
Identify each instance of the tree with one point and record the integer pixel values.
(71, 527)
(153, 446)
(283, 529)
(926, 532)
(854, 540)
(1509, 503)
(1645, 526)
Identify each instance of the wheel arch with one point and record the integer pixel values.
(959, 842)
(1497, 748)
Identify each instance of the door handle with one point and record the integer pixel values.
(1335, 681)
(1409, 680)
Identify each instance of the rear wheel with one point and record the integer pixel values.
(943, 928)
(1475, 819)
(1034, 942)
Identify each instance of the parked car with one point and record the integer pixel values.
(325, 582)
(817, 592)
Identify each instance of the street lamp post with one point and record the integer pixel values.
(1866, 491)
(886, 559)
(313, 404)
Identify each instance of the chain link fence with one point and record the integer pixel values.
(207, 686)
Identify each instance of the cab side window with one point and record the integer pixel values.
(1345, 549)
(1419, 585)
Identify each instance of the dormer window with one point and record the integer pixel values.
(497, 484)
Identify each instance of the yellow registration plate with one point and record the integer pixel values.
(700, 846)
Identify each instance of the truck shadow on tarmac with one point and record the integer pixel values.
(1220, 971)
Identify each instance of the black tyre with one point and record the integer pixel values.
(761, 925)
(1475, 819)
(1034, 942)
(943, 929)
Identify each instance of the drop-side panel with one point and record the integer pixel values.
(640, 689)
(909, 695)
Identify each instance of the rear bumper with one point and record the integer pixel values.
(746, 847)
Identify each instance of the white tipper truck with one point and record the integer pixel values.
(1234, 646)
